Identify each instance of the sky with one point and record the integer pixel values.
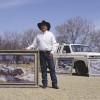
(21, 15)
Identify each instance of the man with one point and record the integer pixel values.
(46, 44)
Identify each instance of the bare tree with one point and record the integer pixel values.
(11, 41)
(95, 40)
(28, 37)
(74, 30)
(15, 41)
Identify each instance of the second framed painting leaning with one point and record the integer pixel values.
(64, 65)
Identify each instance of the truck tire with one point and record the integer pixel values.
(81, 68)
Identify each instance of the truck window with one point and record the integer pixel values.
(58, 50)
(66, 49)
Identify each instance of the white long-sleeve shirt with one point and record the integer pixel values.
(44, 41)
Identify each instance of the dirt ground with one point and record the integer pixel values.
(70, 88)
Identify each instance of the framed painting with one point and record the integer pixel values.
(94, 67)
(19, 68)
(64, 65)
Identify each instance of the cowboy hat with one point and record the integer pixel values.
(44, 23)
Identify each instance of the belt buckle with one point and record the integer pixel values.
(44, 51)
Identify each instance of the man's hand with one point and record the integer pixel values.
(26, 49)
(51, 55)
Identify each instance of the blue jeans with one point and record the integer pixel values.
(46, 60)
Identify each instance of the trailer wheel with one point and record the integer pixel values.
(81, 68)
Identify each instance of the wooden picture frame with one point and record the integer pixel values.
(94, 67)
(19, 68)
(64, 65)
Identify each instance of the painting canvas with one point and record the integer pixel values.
(64, 65)
(94, 67)
(19, 68)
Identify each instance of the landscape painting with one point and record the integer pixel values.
(94, 67)
(18, 69)
(64, 65)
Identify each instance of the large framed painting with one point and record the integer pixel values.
(64, 65)
(94, 67)
(19, 68)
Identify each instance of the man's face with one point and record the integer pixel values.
(44, 28)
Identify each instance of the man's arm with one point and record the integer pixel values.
(33, 45)
(54, 44)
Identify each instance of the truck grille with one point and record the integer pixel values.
(94, 56)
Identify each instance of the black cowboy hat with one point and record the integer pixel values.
(44, 22)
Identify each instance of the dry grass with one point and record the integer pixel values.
(70, 88)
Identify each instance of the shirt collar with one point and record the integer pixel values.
(45, 31)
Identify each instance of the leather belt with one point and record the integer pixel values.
(44, 51)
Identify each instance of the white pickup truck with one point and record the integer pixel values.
(81, 55)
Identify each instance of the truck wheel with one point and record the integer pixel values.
(81, 69)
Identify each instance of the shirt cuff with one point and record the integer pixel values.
(52, 52)
(28, 48)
